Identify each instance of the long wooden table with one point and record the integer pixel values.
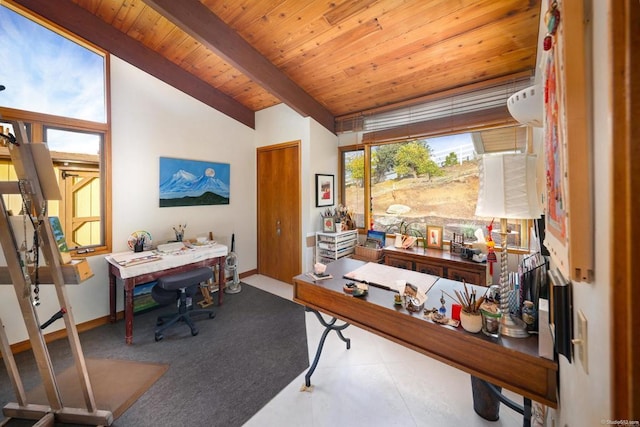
(148, 272)
(512, 363)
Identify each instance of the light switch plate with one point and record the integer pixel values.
(581, 341)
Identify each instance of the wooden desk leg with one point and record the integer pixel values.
(128, 311)
(222, 279)
(112, 297)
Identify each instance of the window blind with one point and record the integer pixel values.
(470, 110)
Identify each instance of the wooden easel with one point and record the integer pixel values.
(207, 288)
(34, 180)
(210, 286)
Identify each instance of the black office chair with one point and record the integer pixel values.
(180, 287)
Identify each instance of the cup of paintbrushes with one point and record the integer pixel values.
(138, 246)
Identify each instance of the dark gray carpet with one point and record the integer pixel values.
(240, 360)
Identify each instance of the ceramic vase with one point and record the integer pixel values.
(471, 322)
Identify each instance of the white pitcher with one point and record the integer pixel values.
(399, 240)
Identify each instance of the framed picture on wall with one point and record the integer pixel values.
(434, 236)
(325, 190)
(186, 182)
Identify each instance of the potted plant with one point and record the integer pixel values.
(470, 315)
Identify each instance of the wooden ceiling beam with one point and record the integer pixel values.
(199, 22)
(82, 23)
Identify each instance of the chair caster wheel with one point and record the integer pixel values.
(159, 337)
(159, 322)
(194, 332)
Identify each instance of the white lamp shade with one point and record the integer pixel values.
(508, 187)
(526, 106)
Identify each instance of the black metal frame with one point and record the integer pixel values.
(525, 409)
(329, 326)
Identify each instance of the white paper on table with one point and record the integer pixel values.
(391, 277)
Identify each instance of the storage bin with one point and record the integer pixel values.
(368, 254)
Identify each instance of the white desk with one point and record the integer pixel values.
(144, 267)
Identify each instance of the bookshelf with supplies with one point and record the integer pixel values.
(333, 246)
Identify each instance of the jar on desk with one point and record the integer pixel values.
(490, 319)
(529, 315)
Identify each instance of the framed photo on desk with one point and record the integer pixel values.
(329, 224)
(434, 237)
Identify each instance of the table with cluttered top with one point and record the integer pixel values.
(136, 268)
(512, 363)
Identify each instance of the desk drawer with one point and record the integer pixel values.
(466, 275)
(399, 262)
(433, 269)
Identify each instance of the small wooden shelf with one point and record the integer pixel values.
(74, 273)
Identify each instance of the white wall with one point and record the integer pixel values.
(279, 124)
(151, 119)
(324, 155)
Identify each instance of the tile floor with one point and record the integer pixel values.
(375, 383)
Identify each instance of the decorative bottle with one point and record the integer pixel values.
(442, 310)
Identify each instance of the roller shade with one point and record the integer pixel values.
(473, 110)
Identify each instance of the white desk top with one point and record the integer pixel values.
(132, 264)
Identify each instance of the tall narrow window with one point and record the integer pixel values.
(353, 184)
(57, 85)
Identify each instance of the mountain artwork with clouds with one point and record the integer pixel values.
(193, 182)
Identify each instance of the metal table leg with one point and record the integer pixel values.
(524, 409)
(329, 326)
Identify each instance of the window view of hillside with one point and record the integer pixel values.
(423, 182)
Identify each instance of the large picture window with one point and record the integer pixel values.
(57, 85)
(424, 182)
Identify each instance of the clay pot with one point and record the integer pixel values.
(471, 322)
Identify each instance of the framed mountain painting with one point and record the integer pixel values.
(193, 182)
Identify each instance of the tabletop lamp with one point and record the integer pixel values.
(508, 191)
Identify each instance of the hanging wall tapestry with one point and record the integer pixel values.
(193, 182)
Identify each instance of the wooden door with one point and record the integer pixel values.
(624, 226)
(279, 211)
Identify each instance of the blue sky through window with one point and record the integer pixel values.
(47, 73)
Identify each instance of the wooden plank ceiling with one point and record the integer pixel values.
(324, 58)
